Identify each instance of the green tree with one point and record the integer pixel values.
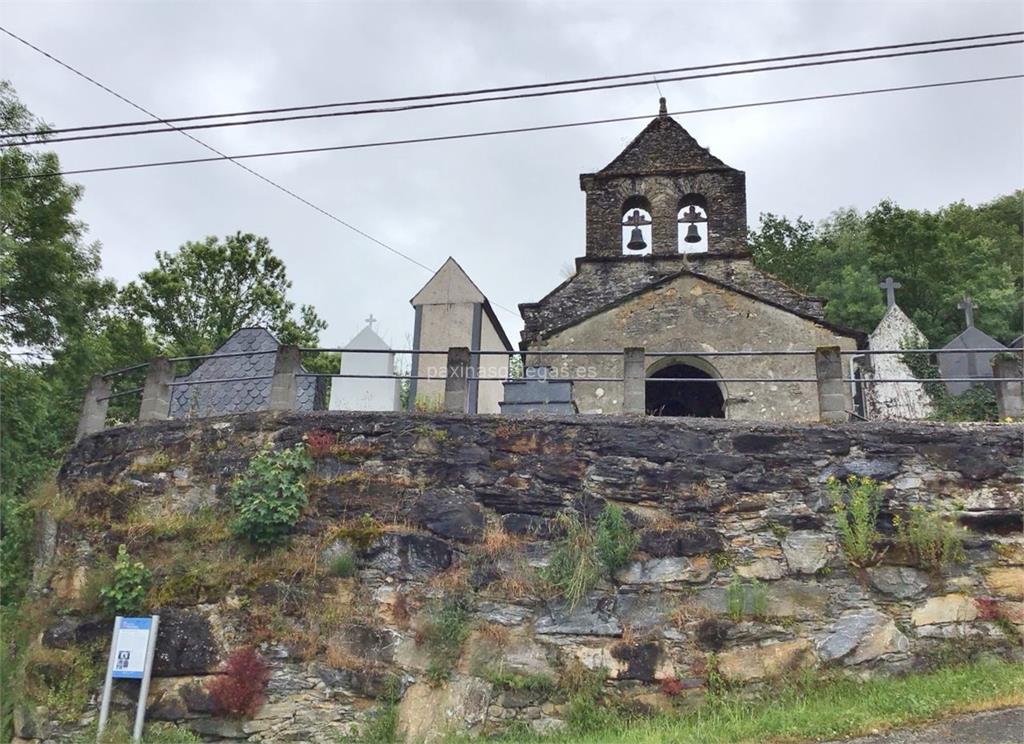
(49, 283)
(196, 298)
(936, 256)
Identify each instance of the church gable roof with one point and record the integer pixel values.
(725, 284)
(663, 145)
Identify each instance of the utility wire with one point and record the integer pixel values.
(510, 88)
(247, 169)
(514, 96)
(516, 130)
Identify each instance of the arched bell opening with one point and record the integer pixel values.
(636, 226)
(693, 224)
(677, 387)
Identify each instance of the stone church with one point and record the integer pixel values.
(667, 268)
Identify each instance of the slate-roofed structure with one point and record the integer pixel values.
(683, 281)
(968, 364)
(252, 394)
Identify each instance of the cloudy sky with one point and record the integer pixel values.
(508, 208)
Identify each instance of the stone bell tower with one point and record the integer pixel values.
(664, 178)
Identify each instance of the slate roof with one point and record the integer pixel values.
(218, 398)
(968, 364)
(663, 145)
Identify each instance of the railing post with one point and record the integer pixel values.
(833, 395)
(1009, 393)
(456, 380)
(284, 388)
(94, 407)
(634, 380)
(156, 391)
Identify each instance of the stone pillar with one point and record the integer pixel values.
(94, 407)
(284, 387)
(665, 219)
(1009, 392)
(156, 392)
(634, 380)
(456, 380)
(833, 394)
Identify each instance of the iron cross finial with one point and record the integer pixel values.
(968, 306)
(890, 286)
(371, 320)
(636, 219)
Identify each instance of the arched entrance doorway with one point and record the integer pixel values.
(697, 399)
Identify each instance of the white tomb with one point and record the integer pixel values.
(894, 400)
(366, 393)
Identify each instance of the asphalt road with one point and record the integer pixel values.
(993, 727)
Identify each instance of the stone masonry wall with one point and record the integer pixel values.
(433, 505)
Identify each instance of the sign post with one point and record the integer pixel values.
(132, 648)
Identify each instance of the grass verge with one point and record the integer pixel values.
(836, 709)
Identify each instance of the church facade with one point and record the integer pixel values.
(667, 268)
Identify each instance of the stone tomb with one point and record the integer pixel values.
(366, 393)
(974, 364)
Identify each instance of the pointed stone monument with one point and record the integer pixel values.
(894, 400)
(451, 311)
(371, 393)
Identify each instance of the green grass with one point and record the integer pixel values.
(828, 710)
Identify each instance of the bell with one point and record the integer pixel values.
(636, 240)
(692, 236)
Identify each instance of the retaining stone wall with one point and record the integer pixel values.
(419, 500)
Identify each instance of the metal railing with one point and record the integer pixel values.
(462, 365)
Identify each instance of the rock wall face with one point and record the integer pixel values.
(425, 528)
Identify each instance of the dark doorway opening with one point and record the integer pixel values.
(698, 399)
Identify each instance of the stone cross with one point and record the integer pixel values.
(371, 320)
(968, 306)
(890, 286)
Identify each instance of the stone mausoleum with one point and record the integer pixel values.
(667, 268)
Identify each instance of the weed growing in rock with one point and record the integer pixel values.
(126, 593)
(745, 598)
(574, 568)
(239, 691)
(510, 680)
(383, 727)
(62, 680)
(583, 688)
(934, 540)
(615, 538)
(856, 503)
(270, 495)
(582, 551)
(442, 632)
(343, 565)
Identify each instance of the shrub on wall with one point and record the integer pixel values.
(615, 538)
(934, 540)
(856, 503)
(270, 495)
(583, 550)
(239, 691)
(126, 592)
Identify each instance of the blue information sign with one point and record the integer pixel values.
(132, 644)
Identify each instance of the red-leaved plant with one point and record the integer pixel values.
(320, 443)
(671, 686)
(239, 690)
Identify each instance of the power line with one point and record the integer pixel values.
(510, 88)
(46, 139)
(247, 169)
(516, 130)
